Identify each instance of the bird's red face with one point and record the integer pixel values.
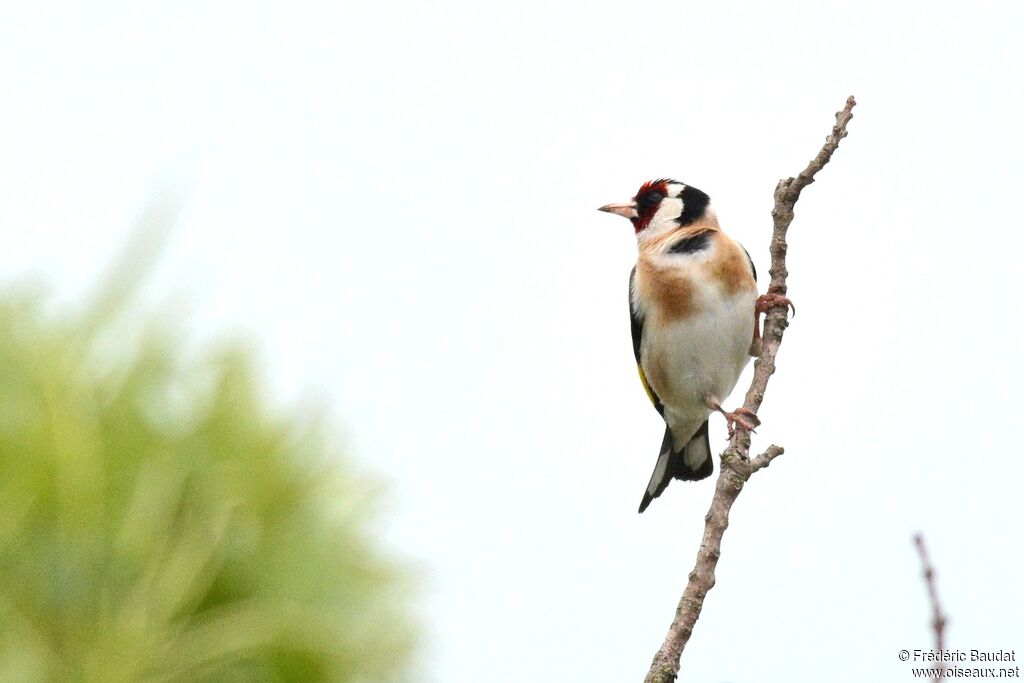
(648, 199)
(666, 202)
(641, 209)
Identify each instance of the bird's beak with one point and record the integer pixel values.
(627, 210)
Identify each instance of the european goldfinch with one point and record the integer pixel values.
(692, 301)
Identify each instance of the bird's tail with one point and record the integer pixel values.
(693, 462)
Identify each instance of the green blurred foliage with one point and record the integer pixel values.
(159, 522)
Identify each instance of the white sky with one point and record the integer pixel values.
(397, 201)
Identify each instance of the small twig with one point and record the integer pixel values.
(736, 465)
(938, 618)
(765, 459)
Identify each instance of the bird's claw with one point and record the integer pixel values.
(765, 302)
(740, 417)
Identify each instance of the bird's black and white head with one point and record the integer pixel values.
(662, 206)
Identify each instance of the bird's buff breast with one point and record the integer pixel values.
(697, 336)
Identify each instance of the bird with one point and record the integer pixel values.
(693, 310)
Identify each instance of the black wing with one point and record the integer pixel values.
(753, 268)
(636, 324)
(755, 343)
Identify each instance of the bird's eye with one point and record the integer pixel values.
(651, 199)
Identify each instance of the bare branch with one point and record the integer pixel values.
(938, 618)
(765, 459)
(736, 465)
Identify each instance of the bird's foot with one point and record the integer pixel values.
(766, 302)
(744, 417)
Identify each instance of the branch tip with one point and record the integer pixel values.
(765, 459)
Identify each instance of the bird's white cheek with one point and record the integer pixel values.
(670, 209)
(663, 221)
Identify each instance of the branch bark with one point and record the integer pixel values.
(736, 464)
(938, 618)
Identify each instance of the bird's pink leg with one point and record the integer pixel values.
(736, 417)
(764, 303)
